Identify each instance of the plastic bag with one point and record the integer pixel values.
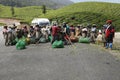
(58, 44)
(84, 40)
(21, 45)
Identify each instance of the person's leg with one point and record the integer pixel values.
(53, 39)
(83, 34)
(104, 44)
(107, 45)
(6, 39)
(10, 38)
(4, 35)
(46, 35)
(92, 38)
(57, 37)
(110, 45)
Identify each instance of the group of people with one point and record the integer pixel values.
(11, 33)
(65, 32)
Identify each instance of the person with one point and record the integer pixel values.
(78, 31)
(54, 31)
(66, 28)
(37, 33)
(48, 30)
(31, 30)
(5, 34)
(10, 35)
(44, 32)
(72, 30)
(5, 29)
(89, 30)
(109, 34)
(25, 31)
(19, 33)
(84, 32)
(72, 34)
(93, 33)
(103, 35)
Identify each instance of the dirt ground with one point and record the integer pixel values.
(9, 21)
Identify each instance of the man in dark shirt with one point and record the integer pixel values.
(109, 34)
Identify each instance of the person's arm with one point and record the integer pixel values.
(51, 29)
(113, 31)
(3, 32)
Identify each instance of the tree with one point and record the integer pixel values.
(12, 11)
(44, 9)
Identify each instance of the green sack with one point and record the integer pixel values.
(42, 40)
(24, 39)
(84, 40)
(21, 45)
(58, 44)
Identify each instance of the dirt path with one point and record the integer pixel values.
(9, 21)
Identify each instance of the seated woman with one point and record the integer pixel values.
(72, 34)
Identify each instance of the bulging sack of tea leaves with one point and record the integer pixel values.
(21, 44)
(84, 40)
(58, 44)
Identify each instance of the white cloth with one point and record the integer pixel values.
(93, 29)
(84, 29)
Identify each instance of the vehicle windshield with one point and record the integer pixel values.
(44, 24)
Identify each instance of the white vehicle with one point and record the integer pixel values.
(40, 22)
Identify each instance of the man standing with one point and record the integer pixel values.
(54, 31)
(109, 34)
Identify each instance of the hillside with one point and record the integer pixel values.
(25, 14)
(88, 13)
(78, 13)
(49, 3)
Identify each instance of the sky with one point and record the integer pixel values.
(113, 1)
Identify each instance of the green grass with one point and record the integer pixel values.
(88, 13)
(25, 14)
(78, 13)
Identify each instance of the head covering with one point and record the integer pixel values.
(100, 31)
(109, 21)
